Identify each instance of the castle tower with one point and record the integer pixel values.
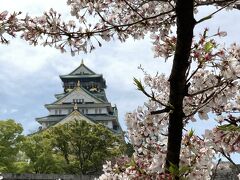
(84, 91)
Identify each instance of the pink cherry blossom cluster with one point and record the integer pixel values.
(9, 26)
(213, 90)
(163, 45)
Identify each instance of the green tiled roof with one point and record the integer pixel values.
(59, 95)
(101, 117)
(51, 118)
(82, 69)
(57, 118)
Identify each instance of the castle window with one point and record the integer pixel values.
(98, 111)
(81, 101)
(58, 111)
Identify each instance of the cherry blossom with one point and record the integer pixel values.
(211, 91)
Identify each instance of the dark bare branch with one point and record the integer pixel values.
(215, 12)
(207, 100)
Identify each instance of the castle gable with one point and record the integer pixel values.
(78, 95)
(74, 116)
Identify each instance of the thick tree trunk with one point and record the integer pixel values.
(185, 26)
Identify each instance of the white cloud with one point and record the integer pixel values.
(3, 111)
(33, 7)
(13, 110)
(8, 111)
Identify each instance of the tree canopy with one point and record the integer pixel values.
(86, 147)
(76, 148)
(10, 139)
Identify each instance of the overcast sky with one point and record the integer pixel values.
(29, 76)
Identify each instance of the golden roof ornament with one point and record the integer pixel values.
(75, 107)
(78, 83)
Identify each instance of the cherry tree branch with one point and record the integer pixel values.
(228, 158)
(218, 10)
(213, 176)
(133, 9)
(152, 97)
(113, 26)
(195, 71)
(207, 100)
(209, 88)
(216, 2)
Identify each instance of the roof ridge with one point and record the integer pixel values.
(84, 66)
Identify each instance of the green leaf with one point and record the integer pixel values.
(191, 132)
(208, 46)
(138, 84)
(229, 127)
(173, 169)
